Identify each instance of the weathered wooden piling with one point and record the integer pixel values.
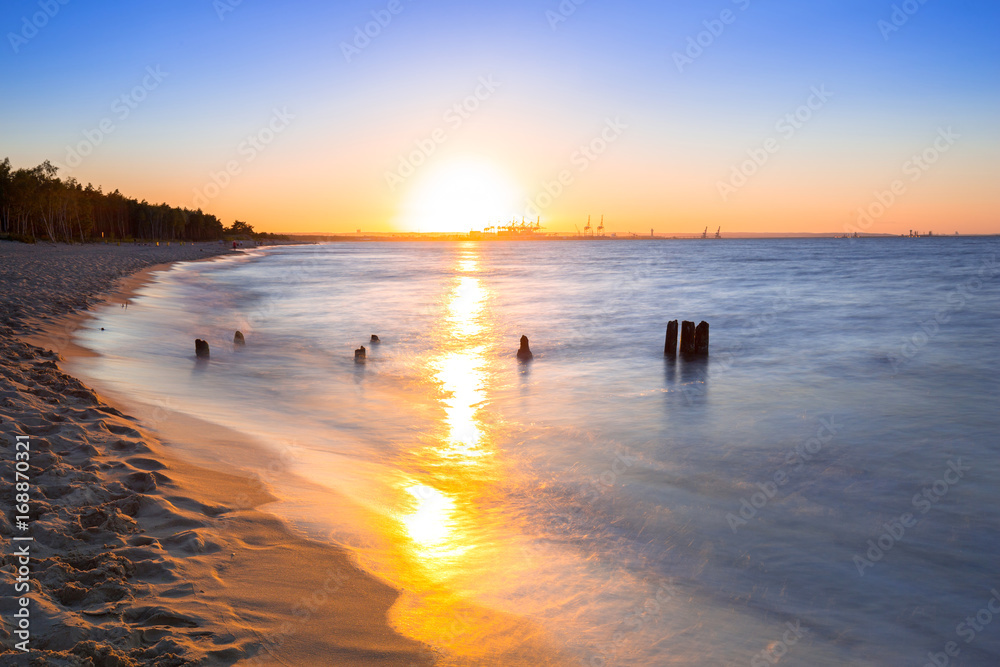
(201, 348)
(375, 339)
(524, 352)
(687, 339)
(360, 354)
(238, 339)
(670, 345)
(701, 339)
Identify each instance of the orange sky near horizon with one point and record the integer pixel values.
(633, 188)
(632, 192)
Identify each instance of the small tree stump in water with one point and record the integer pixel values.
(359, 354)
(238, 339)
(201, 348)
(375, 339)
(670, 345)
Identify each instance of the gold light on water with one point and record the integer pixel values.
(440, 497)
(431, 523)
(461, 377)
(446, 494)
(465, 306)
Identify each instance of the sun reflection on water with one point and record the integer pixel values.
(440, 500)
(431, 524)
(447, 494)
(461, 377)
(465, 307)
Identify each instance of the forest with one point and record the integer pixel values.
(35, 204)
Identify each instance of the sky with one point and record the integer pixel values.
(422, 115)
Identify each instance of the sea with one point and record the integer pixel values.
(822, 489)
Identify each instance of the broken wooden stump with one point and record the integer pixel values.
(701, 339)
(524, 352)
(687, 339)
(693, 340)
(670, 344)
(201, 348)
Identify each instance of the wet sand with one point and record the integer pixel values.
(139, 557)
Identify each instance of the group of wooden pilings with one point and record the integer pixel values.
(201, 348)
(202, 351)
(361, 354)
(694, 340)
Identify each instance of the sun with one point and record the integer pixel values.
(458, 196)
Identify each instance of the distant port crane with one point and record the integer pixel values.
(517, 229)
(600, 227)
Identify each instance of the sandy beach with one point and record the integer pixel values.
(500, 334)
(137, 557)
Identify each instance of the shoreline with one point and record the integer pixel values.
(195, 576)
(57, 335)
(455, 633)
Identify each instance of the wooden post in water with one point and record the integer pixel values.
(687, 339)
(670, 345)
(524, 352)
(701, 339)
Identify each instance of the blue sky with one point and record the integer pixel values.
(227, 71)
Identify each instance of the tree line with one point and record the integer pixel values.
(36, 204)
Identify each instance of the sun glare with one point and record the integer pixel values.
(459, 196)
(429, 525)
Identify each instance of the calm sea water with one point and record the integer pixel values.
(822, 490)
